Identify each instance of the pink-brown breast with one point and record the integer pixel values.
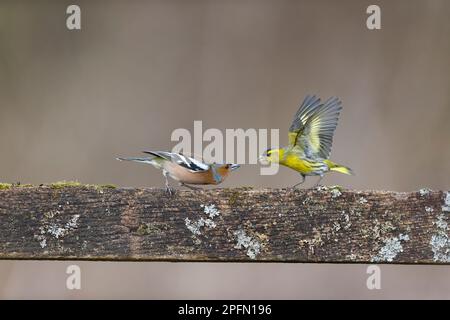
(182, 174)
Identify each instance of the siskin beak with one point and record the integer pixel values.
(263, 160)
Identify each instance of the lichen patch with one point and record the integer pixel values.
(58, 231)
(429, 209)
(196, 226)
(335, 193)
(211, 211)
(362, 200)
(446, 206)
(313, 243)
(244, 241)
(392, 247)
(55, 230)
(440, 242)
(5, 186)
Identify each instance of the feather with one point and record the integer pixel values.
(313, 127)
(189, 163)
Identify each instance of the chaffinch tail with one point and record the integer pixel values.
(184, 169)
(310, 140)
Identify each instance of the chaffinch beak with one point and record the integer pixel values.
(234, 167)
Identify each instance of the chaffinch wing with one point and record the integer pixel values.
(184, 169)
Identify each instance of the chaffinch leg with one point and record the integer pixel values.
(169, 189)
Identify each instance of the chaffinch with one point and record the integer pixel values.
(185, 170)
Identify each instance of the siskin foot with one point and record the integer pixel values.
(318, 182)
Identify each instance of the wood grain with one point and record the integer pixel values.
(278, 225)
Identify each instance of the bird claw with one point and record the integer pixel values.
(170, 190)
(320, 187)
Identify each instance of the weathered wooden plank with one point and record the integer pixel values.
(280, 225)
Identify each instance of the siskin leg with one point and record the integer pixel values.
(303, 180)
(318, 182)
(169, 190)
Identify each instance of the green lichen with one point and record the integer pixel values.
(59, 185)
(236, 193)
(75, 184)
(233, 198)
(151, 228)
(5, 186)
(143, 229)
(65, 184)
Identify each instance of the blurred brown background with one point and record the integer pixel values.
(71, 101)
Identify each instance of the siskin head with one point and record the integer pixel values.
(270, 156)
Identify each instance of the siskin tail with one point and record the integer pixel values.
(338, 168)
